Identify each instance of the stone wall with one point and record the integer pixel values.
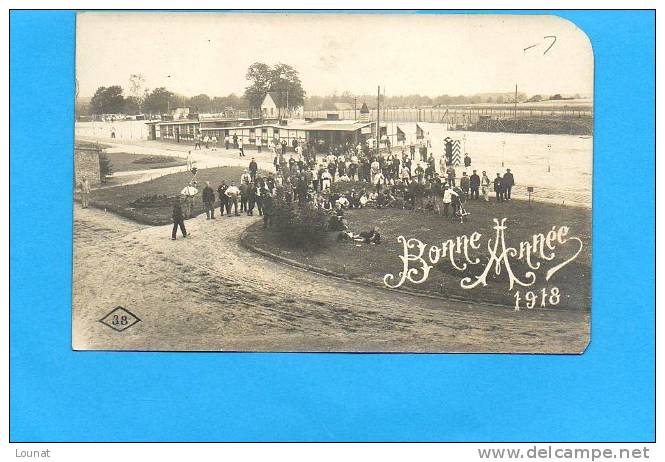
(86, 164)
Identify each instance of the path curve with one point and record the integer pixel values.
(209, 293)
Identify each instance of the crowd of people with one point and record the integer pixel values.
(354, 177)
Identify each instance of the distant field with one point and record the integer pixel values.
(127, 162)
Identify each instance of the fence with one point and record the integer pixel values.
(460, 115)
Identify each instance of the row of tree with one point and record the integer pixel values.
(282, 80)
(111, 100)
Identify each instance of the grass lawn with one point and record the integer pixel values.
(374, 261)
(157, 195)
(126, 162)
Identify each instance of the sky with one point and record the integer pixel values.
(427, 54)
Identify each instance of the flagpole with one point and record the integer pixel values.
(378, 115)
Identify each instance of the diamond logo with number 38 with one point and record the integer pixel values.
(120, 319)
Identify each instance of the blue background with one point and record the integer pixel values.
(607, 394)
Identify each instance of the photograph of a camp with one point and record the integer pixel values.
(271, 182)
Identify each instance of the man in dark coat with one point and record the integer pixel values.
(508, 182)
(498, 188)
(178, 220)
(268, 206)
(253, 168)
(467, 160)
(223, 199)
(465, 184)
(244, 189)
(251, 198)
(474, 182)
(208, 196)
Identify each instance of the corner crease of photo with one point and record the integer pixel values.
(381, 182)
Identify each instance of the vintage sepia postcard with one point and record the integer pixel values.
(332, 182)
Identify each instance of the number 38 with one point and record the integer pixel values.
(532, 298)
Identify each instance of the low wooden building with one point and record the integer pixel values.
(248, 130)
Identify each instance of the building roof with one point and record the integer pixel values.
(322, 125)
(278, 97)
(330, 125)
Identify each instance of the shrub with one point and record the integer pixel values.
(300, 226)
(154, 160)
(105, 167)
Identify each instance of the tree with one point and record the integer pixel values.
(132, 105)
(107, 100)
(157, 102)
(535, 99)
(199, 103)
(556, 97)
(282, 79)
(286, 81)
(258, 75)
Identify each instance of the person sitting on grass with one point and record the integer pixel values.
(370, 237)
(371, 199)
(363, 199)
(343, 202)
(337, 222)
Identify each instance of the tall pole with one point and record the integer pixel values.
(515, 101)
(378, 114)
(355, 105)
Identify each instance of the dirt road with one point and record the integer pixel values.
(206, 292)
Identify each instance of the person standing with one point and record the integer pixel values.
(213, 139)
(326, 180)
(260, 193)
(485, 184)
(443, 166)
(178, 220)
(235, 140)
(244, 196)
(467, 160)
(258, 144)
(223, 199)
(241, 152)
(436, 193)
(253, 168)
(448, 194)
(451, 176)
(474, 182)
(227, 141)
(268, 206)
(208, 196)
(465, 184)
(251, 198)
(232, 192)
(85, 192)
(498, 188)
(508, 182)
